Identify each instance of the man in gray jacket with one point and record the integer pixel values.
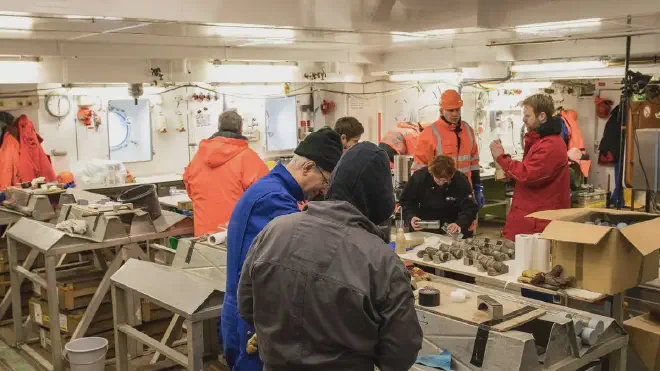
(322, 289)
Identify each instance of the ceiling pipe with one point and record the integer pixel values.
(548, 40)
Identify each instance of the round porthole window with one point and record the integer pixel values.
(119, 129)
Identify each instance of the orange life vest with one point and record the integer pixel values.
(403, 138)
(575, 139)
(442, 138)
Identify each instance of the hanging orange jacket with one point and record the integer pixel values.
(32, 162)
(575, 139)
(403, 138)
(442, 138)
(223, 168)
(9, 162)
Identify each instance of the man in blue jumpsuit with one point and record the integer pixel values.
(276, 194)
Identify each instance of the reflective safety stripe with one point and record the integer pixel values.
(474, 167)
(438, 137)
(464, 158)
(395, 140)
(464, 169)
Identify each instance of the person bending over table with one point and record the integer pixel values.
(439, 192)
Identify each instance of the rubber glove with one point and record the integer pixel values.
(479, 194)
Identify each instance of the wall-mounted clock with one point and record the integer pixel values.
(58, 105)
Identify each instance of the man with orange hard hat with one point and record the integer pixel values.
(452, 137)
(402, 140)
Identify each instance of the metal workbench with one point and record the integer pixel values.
(44, 239)
(509, 284)
(541, 344)
(506, 282)
(192, 288)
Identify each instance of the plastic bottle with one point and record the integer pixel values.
(400, 242)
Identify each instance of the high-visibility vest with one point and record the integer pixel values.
(403, 138)
(441, 139)
(575, 139)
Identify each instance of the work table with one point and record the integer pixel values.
(502, 282)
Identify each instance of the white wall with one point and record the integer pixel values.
(171, 150)
(17, 100)
(395, 102)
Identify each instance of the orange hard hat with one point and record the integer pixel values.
(450, 99)
(65, 177)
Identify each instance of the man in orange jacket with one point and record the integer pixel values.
(223, 168)
(402, 140)
(452, 137)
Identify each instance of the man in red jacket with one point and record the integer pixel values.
(542, 180)
(222, 169)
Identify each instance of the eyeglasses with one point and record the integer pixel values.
(325, 180)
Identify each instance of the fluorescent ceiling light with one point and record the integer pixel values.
(19, 58)
(440, 34)
(425, 75)
(267, 42)
(217, 62)
(253, 31)
(557, 26)
(16, 23)
(522, 85)
(558, 66)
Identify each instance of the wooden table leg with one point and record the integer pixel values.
(195, 331)
(618, 359)
(54, 312)
(172, 334)
(617, 308)
(29, 261)
(17, 311)
(211, 337)
(98, 297)
(119, 309)
(135, 348)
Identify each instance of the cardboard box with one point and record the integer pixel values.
(644, 339)
(604, 259)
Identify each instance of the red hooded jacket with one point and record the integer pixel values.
(542, 179)
(223, 168)
(9, 162)
(32, 162)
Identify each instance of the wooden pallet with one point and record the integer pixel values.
(69, 320)
(22, 255)
(151, 312)
(26, 287)
(76, 289)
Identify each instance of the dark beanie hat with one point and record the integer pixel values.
(364, 179)
(323, 147)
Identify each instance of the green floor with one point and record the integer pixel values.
(10, 359)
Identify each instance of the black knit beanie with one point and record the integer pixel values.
(323, 147)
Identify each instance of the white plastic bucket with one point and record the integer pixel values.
(87, 354)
